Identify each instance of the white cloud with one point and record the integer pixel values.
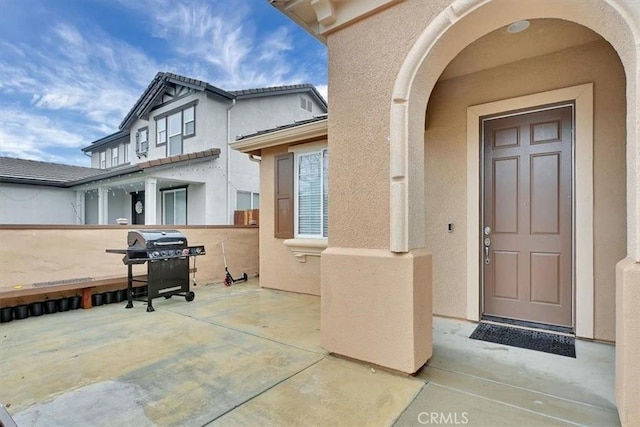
(94, 75)
(324, 91)
(32, 135)
(221, 43)
(74, 86)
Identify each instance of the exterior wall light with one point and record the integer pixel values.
(518, 26)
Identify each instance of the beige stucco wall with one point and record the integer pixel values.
(445, 164)
(279, 269)
(360, 183)
(363, 66)
(46, 254)
(627, 346)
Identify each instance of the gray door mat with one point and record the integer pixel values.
(524, 338)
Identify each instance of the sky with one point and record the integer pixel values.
(70, 70)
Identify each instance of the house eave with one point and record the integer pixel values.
(323, 17)
(304, 133)
(180, 159)
(105, 141)
(107, 174)
(32, 181)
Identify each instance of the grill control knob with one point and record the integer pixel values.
(163, 253)
(155, 254)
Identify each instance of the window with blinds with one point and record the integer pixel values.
(312, 194)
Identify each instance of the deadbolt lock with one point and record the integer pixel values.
(487, 230)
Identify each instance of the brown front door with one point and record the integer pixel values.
(527, 258)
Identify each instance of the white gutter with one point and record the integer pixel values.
(229, 217)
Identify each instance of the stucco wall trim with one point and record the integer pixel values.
(303, 247)
(582, 95)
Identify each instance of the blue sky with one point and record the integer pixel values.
(71, 69)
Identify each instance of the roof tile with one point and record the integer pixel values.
(43, 171)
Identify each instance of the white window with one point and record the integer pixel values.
(174, 127)
(125, 153)
(247, 200)
(114, 156)
(174, 206)
(175, 134)
(142, 141)
(312, 201)
(189, 121)
(161, 134)
(103, 160)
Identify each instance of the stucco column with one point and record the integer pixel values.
(150, 200)
(628, 340)
(376, 306)
(103, 205)
(80, 195)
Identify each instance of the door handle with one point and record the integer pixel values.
(487, 243)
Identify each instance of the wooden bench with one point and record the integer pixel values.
(86, 285)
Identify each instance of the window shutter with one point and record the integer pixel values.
(284, 196)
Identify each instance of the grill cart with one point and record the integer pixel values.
(166, 253)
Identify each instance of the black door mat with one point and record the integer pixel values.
(524, 338)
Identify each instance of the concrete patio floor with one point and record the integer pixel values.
(249, 356)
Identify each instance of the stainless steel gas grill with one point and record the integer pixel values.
(167, 254)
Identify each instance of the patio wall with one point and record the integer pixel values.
(33, 254)
(280, 269)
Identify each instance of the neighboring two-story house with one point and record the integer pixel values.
(169, 162)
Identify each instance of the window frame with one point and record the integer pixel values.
(297, 153)
(138, 141)
(125, 153)
(178, 116)
(102, 159)
(164, 117)
(115, 156)
(163, 120)
(186, 135)
(173, 190)
(252, 196)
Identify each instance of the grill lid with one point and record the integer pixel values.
(150, 239)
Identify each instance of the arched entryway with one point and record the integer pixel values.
(458, 26)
